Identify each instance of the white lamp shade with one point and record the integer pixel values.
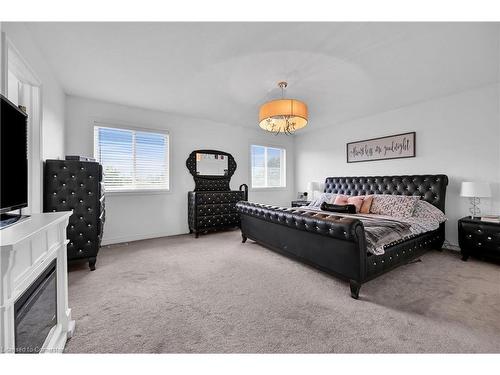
(473, 189)
(313, 186)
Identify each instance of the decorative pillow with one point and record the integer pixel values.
(324, 197)
(394, 205)
(356, 200)
(343, 208)
(425, 210)
(367, 203)
(341, 199)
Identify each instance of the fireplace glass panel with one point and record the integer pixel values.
(36, 312)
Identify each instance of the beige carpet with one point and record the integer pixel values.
(215, 294)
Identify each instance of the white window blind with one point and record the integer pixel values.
(268, 166)
(132, 159)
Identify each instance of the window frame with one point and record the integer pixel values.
(284, 151)
(123, 126)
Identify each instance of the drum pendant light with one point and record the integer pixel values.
(283, 115)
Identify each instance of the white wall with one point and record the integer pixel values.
(53, 97)
(137, 216)
(457, 135)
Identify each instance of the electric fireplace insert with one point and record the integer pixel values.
(36, 312)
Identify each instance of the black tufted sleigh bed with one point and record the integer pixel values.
(338, 246)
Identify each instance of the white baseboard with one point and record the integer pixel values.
(137, 237)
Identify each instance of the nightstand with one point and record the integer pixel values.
(300, 203)
(480, 238)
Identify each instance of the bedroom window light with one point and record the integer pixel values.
(268, 167)
(132, 159)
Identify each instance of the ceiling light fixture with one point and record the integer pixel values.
(283, 115)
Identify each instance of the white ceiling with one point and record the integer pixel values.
(223, 71)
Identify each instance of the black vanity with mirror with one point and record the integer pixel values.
(212, 203)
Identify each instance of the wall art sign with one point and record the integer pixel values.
(391, 147)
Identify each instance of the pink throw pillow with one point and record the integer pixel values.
(341, 199)
(367, 203)
(357, 201)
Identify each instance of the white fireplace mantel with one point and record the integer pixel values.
(27, 248)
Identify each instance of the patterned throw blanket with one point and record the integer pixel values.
(380, 231)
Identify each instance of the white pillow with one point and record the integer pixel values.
(324, 197)
(394, 205)
(425, 210)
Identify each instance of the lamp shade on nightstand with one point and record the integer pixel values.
(313, 186)
(474, 189)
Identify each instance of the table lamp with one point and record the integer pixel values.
(313, 187)
(475, 191)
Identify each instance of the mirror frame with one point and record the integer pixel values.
(211, 183)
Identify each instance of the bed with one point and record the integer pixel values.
(337, 245)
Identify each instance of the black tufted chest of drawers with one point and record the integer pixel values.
(478, 238)
(77, 186)
(212, 210)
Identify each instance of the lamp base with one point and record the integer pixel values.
(474, 210)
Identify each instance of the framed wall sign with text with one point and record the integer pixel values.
(391, 147)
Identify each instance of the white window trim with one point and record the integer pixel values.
(271, 188)
(126, 126)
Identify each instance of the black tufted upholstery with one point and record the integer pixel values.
(320, 223)
(337, 245)
(479, 238)
(212, 204)
(432, 188)
(211, 210)
(77, 186)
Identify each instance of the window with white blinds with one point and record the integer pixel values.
(132, 159)
(268, 166)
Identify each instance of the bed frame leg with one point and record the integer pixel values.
(243, 238)
(355, 287)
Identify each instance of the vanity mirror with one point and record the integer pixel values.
(211, 169)
(211, 164)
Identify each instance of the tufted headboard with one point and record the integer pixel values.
(431, 187)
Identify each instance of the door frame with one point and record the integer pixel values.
(12, 60)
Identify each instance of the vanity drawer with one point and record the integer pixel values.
(215, 209)
(216, 197)
(215, 221)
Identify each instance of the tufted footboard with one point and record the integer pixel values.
(334, 245)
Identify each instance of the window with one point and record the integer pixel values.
(132, 159)
(268, 166)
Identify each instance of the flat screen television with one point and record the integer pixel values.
(13, 157)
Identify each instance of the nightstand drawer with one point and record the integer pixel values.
(481, 243)
(478, 237)
(300, 203)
